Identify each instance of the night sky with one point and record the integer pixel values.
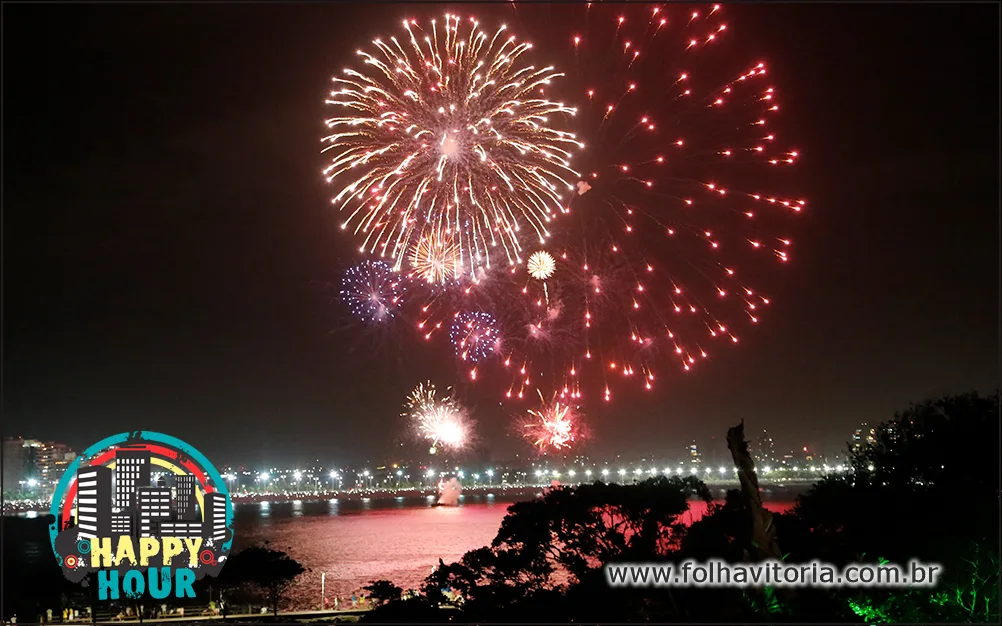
(168, 236)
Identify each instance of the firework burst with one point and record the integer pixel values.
(541, 265)
(446, 136)
(555, 426)
(671, 222)
(454, 151)
(441, 421)
(475, 335)
(436, 260)
(372, 290)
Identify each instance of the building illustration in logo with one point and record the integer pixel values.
(94, 502)
(122, 501)
(141, 503)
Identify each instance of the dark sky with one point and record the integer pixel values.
(167, 233)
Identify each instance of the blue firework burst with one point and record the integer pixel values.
(476, 335)
(373, 291)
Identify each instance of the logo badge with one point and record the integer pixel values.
(146, 513)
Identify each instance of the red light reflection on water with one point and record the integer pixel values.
(361, 544)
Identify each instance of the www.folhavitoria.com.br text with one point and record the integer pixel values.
(716, 573)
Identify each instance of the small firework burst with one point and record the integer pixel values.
(441, 421)
(372, 290)
(541, 265)
(435, 258)
(476, 336)
(555, 426)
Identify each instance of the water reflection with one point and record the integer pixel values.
(355, 541)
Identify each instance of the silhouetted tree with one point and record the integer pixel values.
(269, 570)
(927, 489)
(381, 591)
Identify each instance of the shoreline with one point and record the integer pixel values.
(770, 489)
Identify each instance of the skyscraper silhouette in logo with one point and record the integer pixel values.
(125, 501)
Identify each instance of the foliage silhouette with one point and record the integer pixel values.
(546, 562)
(382, 591)
(269, 570)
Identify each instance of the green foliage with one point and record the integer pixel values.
(897, 505)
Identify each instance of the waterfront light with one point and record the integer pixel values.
(32, 482)
(767, 469)
(588, 473)
(571, 473)
(490, 473)
(297, 475)
(264, 475)
(605, 472)
(333, 474)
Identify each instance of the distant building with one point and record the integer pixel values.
(764, 449)
(864, 436)
(94, 502)
(214, 516)
(154, 507)
(21, 465)
(180, 528)
(692, 452)
(15, 464)
(51, 462)
(132, 472)
(185, 504)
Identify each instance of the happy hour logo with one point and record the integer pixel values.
(144, 511)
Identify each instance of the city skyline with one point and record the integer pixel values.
(761, 445)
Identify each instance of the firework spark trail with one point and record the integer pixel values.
(446, 137)
(441, 421)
